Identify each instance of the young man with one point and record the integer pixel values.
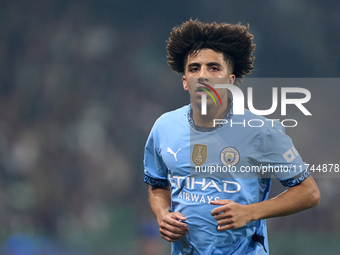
(218, 214)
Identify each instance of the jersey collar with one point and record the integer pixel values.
(208, 129)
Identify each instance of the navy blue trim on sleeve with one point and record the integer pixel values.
(155, 182)
(296, 180)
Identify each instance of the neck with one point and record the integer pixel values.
(213, 112)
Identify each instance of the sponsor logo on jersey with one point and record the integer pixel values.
(229, 156)
(199, 154)
(203, 184)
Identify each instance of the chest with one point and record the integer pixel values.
(188, 151)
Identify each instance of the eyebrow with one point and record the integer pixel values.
(208, 64)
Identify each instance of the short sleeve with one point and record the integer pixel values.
(278, 156)
(155, 171)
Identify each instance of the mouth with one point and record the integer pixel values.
(207, 89)
(204, 88)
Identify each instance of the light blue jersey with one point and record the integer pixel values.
(233, 161)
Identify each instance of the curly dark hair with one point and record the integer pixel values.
(234, 41)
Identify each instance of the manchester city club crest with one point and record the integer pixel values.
(229, 156)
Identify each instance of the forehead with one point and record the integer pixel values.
(205, 56)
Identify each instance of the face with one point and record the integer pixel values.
(207, 67)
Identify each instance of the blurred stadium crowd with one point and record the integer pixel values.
(81, 83)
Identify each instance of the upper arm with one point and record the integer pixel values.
(152, 188)
(278, 153)
(163, 191)
(155, 170)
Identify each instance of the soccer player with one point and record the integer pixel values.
(203, 213)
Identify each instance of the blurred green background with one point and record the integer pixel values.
(81, 84)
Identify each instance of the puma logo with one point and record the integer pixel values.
(173, 153)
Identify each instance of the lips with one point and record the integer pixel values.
(202, 89)
(205, 86)
(209, 89)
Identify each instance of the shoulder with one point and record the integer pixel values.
(169, 124)
(266, 132)
(260, 124)
(172, 117)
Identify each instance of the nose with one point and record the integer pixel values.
(202, 78)
(203, 75)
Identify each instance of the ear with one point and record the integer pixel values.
(232, 78)
(185, 83)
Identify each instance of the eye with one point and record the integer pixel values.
(193, 69)
(214, 68)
